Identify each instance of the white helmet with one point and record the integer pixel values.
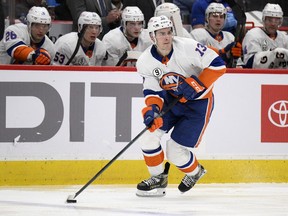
(160, 22)
(166, 9)
(132, 13)
(157, 23)
(86, 18)
(272, 10)
(215, 8)
(171, 11)
(38, 15)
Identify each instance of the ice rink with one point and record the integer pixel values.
(108, 200)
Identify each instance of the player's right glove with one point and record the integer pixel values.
(151, 117)
(190, 89)
(41, 57)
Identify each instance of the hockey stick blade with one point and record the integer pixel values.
(72, 198)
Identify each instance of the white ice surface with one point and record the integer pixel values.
(119, 200)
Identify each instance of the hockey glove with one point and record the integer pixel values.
(190, 89)
(226, 49)
(41, 57)
(151, 120)
(236, 51)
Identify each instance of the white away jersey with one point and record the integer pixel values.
(117, 44)
(65, 46)
(15, 36)
(189, 57)
(258, 44)
(203, 36)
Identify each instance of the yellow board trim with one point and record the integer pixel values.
(18, 173)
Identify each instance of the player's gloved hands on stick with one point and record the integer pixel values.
(227, 48)
(236, 51)
(190, 89)
(151, 120)
(41, 57)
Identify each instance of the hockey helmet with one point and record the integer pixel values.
(132, 13)
(166, 9)
(215, 8)
(160, 22)
(171, 11)
(272, 10)
(87, 18)
(157, 23)
(38, 15)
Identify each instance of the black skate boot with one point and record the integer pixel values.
(154, 186)
(189, 181)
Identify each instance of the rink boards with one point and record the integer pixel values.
(61, 125)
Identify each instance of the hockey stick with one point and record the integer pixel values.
(80, 37)
(239, 33)
(123, 57)
(71, 198)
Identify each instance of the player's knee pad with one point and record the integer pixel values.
(150, 140)
(176, 153)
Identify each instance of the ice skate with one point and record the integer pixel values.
(154, 186)
(189, 181)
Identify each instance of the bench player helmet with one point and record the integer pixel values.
(166, 9)
(87, 18)
(272, 10)
(171, 11)
(38, 15)
(215, 8)
(132, 13)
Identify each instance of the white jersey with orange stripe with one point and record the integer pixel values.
(117, 44)
(188, 58)
(203, 36)
(65, 46)
(17, 35)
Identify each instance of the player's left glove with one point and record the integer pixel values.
(41, 57)
(236, 51)
(226, 49)
(151, 120)
(190, 89)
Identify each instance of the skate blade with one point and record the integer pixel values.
(158, 192)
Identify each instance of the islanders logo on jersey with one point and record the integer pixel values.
(171, 81)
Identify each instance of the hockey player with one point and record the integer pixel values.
(128, 41)
(28, 44)
(267, 47)
(91, 51)
(212, 35)
(175, 67)
(171, 11)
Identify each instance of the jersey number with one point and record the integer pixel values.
(59, 58)
(201, 49)
(10, 35)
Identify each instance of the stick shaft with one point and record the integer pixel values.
(122, 151)
(110, 162)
